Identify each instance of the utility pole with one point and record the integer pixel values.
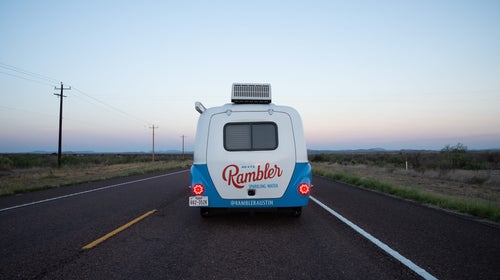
(61, 96)
(153, 154)
(183, 136)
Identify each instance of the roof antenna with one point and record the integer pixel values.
(199, 107)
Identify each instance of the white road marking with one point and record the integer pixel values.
(89, 191)
(417, 269)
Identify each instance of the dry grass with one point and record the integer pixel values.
(25, 180)
(473, 192)
(458, 183)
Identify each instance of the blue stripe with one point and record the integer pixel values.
(291, 197)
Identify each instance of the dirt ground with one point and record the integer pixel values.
(482, 185)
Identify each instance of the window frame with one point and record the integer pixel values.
(252, 149)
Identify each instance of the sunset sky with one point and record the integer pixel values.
(363, 74)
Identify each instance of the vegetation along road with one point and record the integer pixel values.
(44, 234)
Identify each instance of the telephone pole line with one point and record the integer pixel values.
(61, 96)
(183, 136)
(153, 154)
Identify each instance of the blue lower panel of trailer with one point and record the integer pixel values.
(291, 197)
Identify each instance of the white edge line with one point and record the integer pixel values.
(88, 191)
(417, 269)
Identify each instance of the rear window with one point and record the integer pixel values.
(256, 136)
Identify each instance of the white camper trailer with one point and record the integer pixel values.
(249, 154)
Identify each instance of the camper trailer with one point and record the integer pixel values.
(249, 153)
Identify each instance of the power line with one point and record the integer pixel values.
(61, 96)
(27, 79)
(116, 110)
(46, 80)
(28, 73)
(24, 111)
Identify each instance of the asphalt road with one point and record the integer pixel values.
(45, 240)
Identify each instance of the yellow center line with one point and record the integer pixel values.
(116, 231)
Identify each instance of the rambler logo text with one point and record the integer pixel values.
(232, 175)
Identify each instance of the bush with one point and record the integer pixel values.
(31, 160)
(5, 163)
(455, 156)
(449, 158)
(319, 158)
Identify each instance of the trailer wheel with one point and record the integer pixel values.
(296, 212)
(204, 212)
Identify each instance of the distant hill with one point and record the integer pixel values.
(170, 152)
(174, 152)
(354, 151)
(367, 151)
(381, 150)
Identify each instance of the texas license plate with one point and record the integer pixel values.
(198, 201)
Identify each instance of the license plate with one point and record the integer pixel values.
(197, 201)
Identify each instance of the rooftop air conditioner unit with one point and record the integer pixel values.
(251, 93)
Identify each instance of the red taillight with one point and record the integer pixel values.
(198, 189)
(304, 189)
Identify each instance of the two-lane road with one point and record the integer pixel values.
(45, 240)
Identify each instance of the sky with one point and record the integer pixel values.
(396, 74)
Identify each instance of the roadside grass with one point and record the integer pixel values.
(40, 178)
(482, 209)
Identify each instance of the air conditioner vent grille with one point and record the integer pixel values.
(251, 93)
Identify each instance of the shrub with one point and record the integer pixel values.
(454, 156)
(5, 163)
(319, 158)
